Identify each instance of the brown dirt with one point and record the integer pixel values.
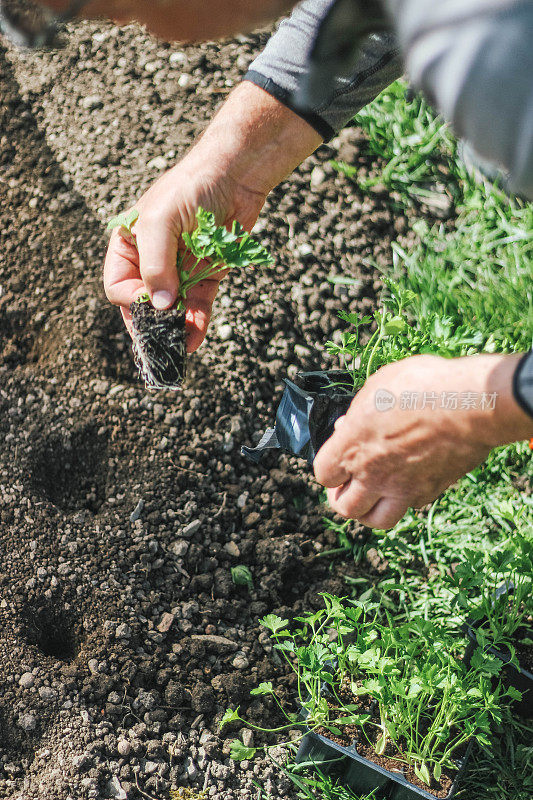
(524, 653)
(122, 636)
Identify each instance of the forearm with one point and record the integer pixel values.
(285, 65)
(254, 140)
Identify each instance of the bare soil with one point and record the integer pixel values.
(122, 636)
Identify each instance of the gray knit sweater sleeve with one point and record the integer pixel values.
(284, 64)
(474, 60)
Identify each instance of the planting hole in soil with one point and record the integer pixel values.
(70, 470)
(53, 630)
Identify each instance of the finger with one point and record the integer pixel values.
(126, 316)
(352, 500)
(328, 463)
(385, 514)
(157, 243)
(122, 280)
(199, 304)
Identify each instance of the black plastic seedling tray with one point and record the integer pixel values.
(518, 677)
(309, 408)
(364, 776)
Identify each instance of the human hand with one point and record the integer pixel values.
(249, 147)
(379, 463)
(166, 211)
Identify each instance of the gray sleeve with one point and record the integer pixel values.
(474, 61)
(523, 383)
(283, 66)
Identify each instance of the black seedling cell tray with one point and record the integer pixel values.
(364, 776)
(518, 677)
(309, 408)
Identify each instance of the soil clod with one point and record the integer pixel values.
(159, 345)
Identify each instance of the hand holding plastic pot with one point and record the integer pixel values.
(412, 430)
(415, 423)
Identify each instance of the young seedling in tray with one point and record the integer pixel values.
(397, 696)
(159, 345)
(495, 590)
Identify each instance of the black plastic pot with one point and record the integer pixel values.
(306, 415)
(517, 677)
(363, 776)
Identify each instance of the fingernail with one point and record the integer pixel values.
(162, 299)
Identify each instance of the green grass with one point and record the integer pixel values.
(504, 771)
(405, 132)
(477, 270)
(480, 272)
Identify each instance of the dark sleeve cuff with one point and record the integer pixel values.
(284, 97)
(523, 383)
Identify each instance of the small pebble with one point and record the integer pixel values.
(159, 162)
(27, 722)
(27, 680)
(225, 332)
(123, 631)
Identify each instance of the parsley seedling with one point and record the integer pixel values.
(219, 248)
(159, 335)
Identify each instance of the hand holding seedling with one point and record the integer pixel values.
(148, 264)
(379, 463)
(208, 252)
(250, 146)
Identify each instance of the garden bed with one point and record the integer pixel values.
(123, 512)
(123, 636)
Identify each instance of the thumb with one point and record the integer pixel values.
(328, 467)
(157, 242)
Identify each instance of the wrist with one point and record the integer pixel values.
(507, 421)
(255, 140)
